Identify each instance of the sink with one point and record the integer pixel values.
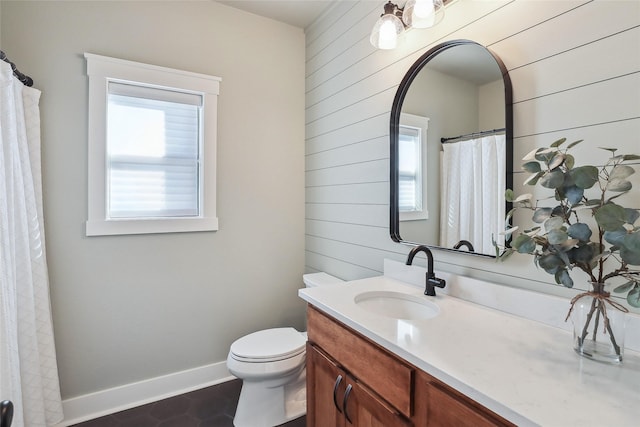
(397, 305)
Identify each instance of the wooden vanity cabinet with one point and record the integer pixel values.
(351, 381)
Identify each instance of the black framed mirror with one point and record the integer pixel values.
(451, 158)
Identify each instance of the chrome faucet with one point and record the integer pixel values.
(432, 281)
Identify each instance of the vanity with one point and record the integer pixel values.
(354, 381)
(468, 364)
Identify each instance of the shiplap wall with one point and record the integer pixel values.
(575, 69)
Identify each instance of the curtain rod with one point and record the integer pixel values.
(26, 80)
(469, 135)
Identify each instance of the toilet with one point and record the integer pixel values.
(271, 365)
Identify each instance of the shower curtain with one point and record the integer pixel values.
(473, 187)
(28, 369)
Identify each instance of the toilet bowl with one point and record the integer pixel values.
(271, 365)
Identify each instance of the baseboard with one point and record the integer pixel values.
(105, 402)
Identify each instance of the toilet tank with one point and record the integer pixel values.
(319, 279)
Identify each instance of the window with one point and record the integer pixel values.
(152, 148)
(411, 167)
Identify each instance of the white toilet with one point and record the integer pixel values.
(271, 364)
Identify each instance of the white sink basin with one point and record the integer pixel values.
(397, 305)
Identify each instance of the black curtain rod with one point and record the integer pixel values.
(26, 80)
(470, 135)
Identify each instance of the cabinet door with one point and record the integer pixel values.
(334, 398)
(363, 408)
(326, 384)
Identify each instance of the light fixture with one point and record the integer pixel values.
(388, 28)
(416, 14)
(423, 13)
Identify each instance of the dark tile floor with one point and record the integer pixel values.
(209, 407)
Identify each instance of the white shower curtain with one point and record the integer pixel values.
(473, 186)
(28, 369)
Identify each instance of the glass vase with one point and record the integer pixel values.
(598, 328)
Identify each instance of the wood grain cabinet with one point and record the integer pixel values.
(352, 381)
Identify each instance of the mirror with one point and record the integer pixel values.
(452, 150)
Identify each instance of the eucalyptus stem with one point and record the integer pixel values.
(585, 330)
(596, 322)
(611, 336)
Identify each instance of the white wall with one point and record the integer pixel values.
(575, 70)
(129, 308)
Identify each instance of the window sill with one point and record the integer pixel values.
(150, 226)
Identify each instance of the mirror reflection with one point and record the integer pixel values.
(451, 141)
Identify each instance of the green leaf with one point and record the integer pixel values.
(558, 142)
(556, 160)
(630, 248)
(532, 167)
(557, 237)
(574, 143)
(621, 172)
(633, 297)
(560, 210)
(624, 288)
(573, 194)
(550, 263)
(545, 154)
(523, 197)
(584, 176)
(570, 161)
(582, 254)
(615, 237)
(541, 214)
(613, 150)
(632, 215)
(508, 195)
(619, 185)
(533, 179)
(509, 231)
(553, 179)
(580, 231)
(553, 223)
(562, 278)
(631, 157)
(532, 154)
(610, 217)
(524, 244)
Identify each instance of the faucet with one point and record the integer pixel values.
(464, 243)
(432, 281)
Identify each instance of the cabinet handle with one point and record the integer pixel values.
(344, 403)
(335, 391)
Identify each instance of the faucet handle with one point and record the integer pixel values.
(432, 283)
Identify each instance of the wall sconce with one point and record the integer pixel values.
(395, 20)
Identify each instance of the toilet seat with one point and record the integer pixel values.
(269, 345)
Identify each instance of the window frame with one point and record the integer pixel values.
(101, 70)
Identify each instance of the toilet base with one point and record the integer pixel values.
(261, 405)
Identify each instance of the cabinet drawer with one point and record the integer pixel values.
(385, 374)
(447, 407)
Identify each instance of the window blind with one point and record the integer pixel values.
(153, 152)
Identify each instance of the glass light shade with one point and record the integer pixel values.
(423, 13)
(386, 31)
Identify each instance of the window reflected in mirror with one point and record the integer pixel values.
(412, 141)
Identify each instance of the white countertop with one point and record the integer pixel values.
(523, 370)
